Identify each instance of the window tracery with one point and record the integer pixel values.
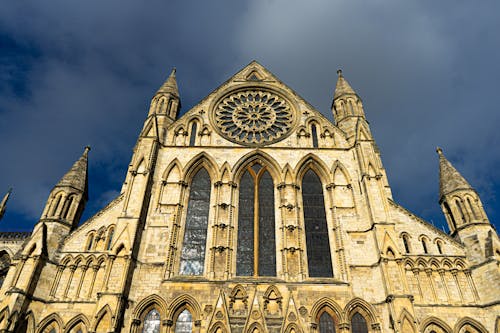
(317, 240)
(256, 250)
(195, 232)
(326, 323)
(253, 117)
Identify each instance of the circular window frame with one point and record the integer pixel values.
(254, 87)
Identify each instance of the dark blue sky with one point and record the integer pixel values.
(73, 74)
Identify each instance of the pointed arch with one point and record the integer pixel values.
(201, 160)
(407, 322)
(272, 300)
(292, 328)
(434, 324)
(226, 175)
(257, 156)
(182, 302)
(340, 174)
(331, 306)
(103, 320)
(79, 319)
(288, 174)
(218, 327)
(405, 237)
(173, 172)
(389, 244)
(51, 321)
(139, 166)
(255, 327)
(470, 323)
(371, 170)
(358, 305)
(147, 302)
(311, 161)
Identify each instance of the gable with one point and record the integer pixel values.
(253, 108)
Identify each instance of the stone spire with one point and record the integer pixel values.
(343, 87)
(3, 203)
(76, 177)
(449, 178)
(170, 86)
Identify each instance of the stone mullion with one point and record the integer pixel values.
(416, 272)
(174, 234)
(163, 185)
(284, 265)
(339, 243)
(55, 284)
(82, 278)
(95, 269)
(389, 289)
(472, 286)
(428, 271)
(289, 225)
(454, 273)
(70, 279)
(215, 229)
(442, 273)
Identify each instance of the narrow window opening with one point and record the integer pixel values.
(450, 214)
(110, 238)
(358, 324)
(326, 323)
(152, 322)
(424, 246)
(439, 247)
(56, 205)
(90, 243)
(192, 138)
(471, 207)
(67, 207)
(184, 323)
(459, 207)
(160, 106)
(314, 134)
(406, 244)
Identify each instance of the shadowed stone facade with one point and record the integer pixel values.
(253, 213)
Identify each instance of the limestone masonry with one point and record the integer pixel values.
(252, 213)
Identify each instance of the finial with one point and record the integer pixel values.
(439, 151)
(174, 70)
(339, 72)
(87, 149)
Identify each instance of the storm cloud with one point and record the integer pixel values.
(78, 73)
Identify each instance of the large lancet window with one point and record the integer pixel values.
(195, 232)
(317, 242)
(256, 252)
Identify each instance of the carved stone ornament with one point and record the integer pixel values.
(253, 117)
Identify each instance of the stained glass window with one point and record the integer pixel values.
(314, 134)
(326, 324)
(245, 255)
(256, 224)
(317, 242)
(152, 322)
(358, 324)
(184, 322)
(267, 242)
(195, 233)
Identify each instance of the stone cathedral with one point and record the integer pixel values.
(253, 213)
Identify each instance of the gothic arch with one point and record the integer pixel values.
(78, 319)
(202, 160)
(218, 327)
(434, 264)
(421, 262)
(118, 250)
(429, 322)
(288, 175)
(292, 327)
(105, 310)
(328, 304)
(28, 324)
(257, 155)
(184, 302)
(389, 244)
(311, 161)
(255, 327)
(139, 166)
(467, 321)
(147, 302)
(173, 172)
(358, 305)
(49, 320)
(405, 315)
(226, 172)
(339, 167)
(459, 263)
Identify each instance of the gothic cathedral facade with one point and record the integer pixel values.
(254, 213)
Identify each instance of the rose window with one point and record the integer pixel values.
(253, 117)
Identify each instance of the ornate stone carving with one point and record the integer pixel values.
(253, 117)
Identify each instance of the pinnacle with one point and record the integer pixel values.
(170, 86)
(342, 87)
(76, 177)
(449, 178)
(3, 203)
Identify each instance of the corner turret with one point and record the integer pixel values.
(166, 101)
(464, 212)
(67, 199)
